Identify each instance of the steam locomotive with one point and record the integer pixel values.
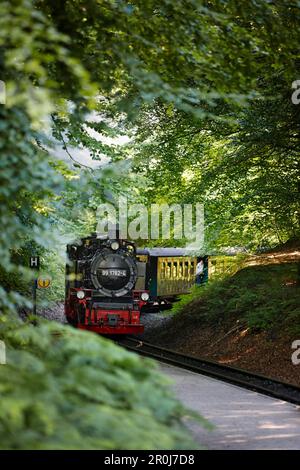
(101, 275)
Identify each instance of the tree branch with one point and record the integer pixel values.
(65, 147)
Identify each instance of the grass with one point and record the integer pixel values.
(264, 297)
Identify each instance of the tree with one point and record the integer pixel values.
(69, 389)
(59, 57)
(243, 166)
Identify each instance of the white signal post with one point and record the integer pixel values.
(34, 263)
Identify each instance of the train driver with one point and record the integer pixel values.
(200, 272)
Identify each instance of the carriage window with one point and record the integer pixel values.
(163, 270)
(168, 273)
(174, 270)
(186, 269)
(223, 266)
(180, 270)
(192, 270)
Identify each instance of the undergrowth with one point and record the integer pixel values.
(63, 388)
(263, 297)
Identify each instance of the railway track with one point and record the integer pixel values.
(239, 377)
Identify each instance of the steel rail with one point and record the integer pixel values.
(240, 377)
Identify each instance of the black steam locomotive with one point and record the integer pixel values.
(101, 278)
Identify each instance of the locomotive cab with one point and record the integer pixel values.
(101, 276)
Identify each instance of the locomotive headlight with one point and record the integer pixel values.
(115, 246)
(145, 296)
(80, 294)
